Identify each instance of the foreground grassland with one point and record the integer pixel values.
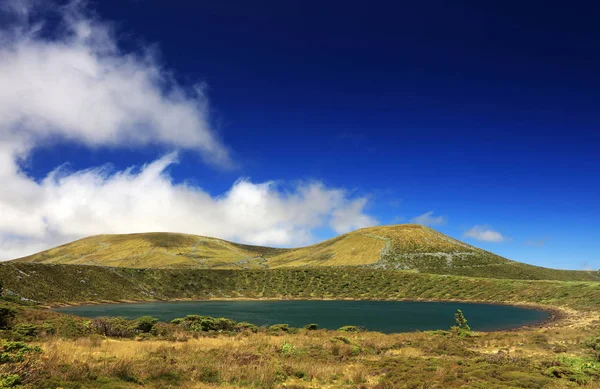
(44, 349)
(55, 284)
(399, 247)
(40, 348)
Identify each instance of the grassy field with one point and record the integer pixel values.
(401, 247)
(72, 284)
(44, 349)
(40, 348)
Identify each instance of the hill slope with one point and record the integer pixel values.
(70, 284)
(402, 247)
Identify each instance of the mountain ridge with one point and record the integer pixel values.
(407, 247)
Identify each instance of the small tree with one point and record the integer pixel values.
(461, 328)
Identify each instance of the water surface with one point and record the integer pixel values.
(382, 316)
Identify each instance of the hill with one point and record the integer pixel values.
(401, 247)
(55, 284)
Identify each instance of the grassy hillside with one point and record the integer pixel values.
(65, 283)
(400, 247)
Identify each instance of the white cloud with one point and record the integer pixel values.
(351, 217)
(427, 219)
(484, 234)
(81, 87)
(65, 206)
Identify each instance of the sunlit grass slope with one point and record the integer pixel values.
(67, 283)
(401, 247)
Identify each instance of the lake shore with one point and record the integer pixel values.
(559, 316)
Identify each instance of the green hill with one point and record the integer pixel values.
(401, 247)
(54, 284)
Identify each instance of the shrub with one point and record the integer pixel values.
(223, 324)
(48, 328)
(162, 330)
(287, 348)
(16, 351)
(28, 330)
(116, 327)
(7, 315)
(145, 324)
(9, 380)
(245, 326)
(594, 344)
(70, 327)
(311, 327)
(279, 328)
(205, 323)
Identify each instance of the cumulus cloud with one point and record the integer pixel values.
(81, 87)
(484, 234)
(69, 205)
(427, 219)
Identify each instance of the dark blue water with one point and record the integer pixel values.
(382, 316)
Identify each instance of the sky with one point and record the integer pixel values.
(286, 123)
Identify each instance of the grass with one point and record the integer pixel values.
(40, 348)
(558, 356)
(54, 284)
(400, 247)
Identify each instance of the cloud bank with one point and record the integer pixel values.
(484, 234)
(79, 86)
(427, 219)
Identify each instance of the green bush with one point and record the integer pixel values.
(223, 324)
(311, 327)
(27, 330)
(287, 348)
(11, 352)
(579, 370)
(9, 380)
(145, 324)
(594, 344)
(70, 327)
(7, 314)
(205, 323)
(245, 326)
(162, 330)
(116, 327)
(279, 328)
(48, 328)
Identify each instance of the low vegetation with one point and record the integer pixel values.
(40, 348)
(53, 284)
(60, 351)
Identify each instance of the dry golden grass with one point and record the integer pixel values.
(319, 359)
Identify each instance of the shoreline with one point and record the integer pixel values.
(559, 316)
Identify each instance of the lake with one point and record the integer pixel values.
(382, 316)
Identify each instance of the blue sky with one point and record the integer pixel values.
(482, 116)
